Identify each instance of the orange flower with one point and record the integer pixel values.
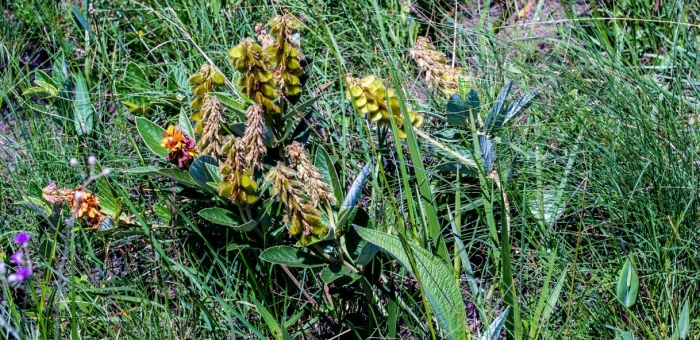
(180, 145)
(89, 208)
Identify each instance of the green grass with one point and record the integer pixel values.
(606, 150)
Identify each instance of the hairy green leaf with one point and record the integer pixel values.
(152, 135)
(627, 285)
(440, 287)
(292, 257)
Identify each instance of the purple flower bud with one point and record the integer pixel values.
(17, 258)
(3, 268)
(22, 238)
(21, 274)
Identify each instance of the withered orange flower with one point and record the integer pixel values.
(179, 144)
(89, 208)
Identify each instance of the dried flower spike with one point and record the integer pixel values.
(237, 180)
(212, 136)
(433, 64)
(319, 191)
(254, 138)
(180, 146)
(304, 219)
(52, 194)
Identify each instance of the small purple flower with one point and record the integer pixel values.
(21, 274)
(22, 238)
(17, 258)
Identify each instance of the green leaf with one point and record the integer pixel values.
(40, 75)
(459, 109)
(684, 322)
(83, 22)
(232, 104)
(180, 176)
(292, 257)
(202, 173)
(36, 205)
(226, 218)
(488, 153)
(627, 285)
(107, 226)
(498, 109)
(185, 124)
(356, 188)
(162, 212)
(495, 327)
(277, 331)
(152, 135)
(342, 276)
(443, 293)
(42, 89)
(83, 112)
(325, 167)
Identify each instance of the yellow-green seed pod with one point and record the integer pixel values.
(225, 189)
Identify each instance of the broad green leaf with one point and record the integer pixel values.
(36, 205)
(292, 257)
(277, 331)
(40, 75)
(232, 104)
(162, 212)
(443, 293)
(185, 124)
(327, 170)
(83, 22)
(152, 135)
(356, 188)
(202, 173)
(488, 153)
(226, 218)
(42, 89)
(341, 277)
(498, 110)
(684, 322)
(519, 106)
(180, 176)
(549, 212)
(627, 285)
(459, 108)
(83, 112)
(457, 111)
(495, 327)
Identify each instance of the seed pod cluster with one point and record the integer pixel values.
(303, 218)
(257, 82)
(372, 98)
(433, 64)
(286, 54)
(237, 181)
(204, 81)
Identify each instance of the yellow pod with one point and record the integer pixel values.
(293, 64)
(401, 133)
(318, 229)
(196, 78)
(197, 103)
(295, 227)
(366, 81)
(372, 105)
(236, 52)
(218, 79)
(376, 116)
(225, 189)
(225, 169)
(361, 101)
(263, 76)
(293, 90)
(268, 91)
(198, 128)
(417, 121)
(355, 91)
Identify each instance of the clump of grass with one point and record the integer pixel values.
(600, 171)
